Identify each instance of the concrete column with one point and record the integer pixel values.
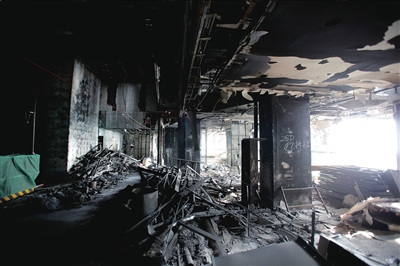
(181, 138)
(255, 119)
(396, 117)
(193, 143)
(285, 152)
(266, 152)
(250, 170)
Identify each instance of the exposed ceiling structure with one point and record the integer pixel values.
(343, 54)
(217, 56)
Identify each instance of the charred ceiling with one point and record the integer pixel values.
(340, 53)
(119, 41)
(218, 55)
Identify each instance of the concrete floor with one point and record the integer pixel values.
(94, 233)
(90, 235)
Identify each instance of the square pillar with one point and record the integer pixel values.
(285, 154)
(250, 170)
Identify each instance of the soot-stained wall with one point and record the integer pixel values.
(125, 111)
(120, 116)
(84, 112)
(112, 140)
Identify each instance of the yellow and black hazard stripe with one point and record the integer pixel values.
(16, 195)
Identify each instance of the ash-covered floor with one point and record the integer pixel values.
(112, 215)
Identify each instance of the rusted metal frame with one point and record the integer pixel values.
(284, 199)
(322, 200)
(302, 205)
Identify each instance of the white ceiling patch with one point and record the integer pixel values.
(303, 68)
(392, 32)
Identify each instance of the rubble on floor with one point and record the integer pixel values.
(95, 171)
(376, 213)
(177, 216)
(224, 175)
(197, 219)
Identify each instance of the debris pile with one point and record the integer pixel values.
(345, 186)
(95, 171)
(196, 219)
(95, 163)
(376, 213)
(224, 175)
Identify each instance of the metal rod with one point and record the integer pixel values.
(322, 200)
(34, 127)
(255, 133)
(312, 228)
(300, 188)
(284, 198)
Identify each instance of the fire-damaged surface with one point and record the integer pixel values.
(127, 212)
(343, 54)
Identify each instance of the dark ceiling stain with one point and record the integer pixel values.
(395, 41)
(272, 82)
(238, 70)
(300, 67)
(360, 25)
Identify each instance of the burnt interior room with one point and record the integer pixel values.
(200, 132)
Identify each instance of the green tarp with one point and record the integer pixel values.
(17, 173)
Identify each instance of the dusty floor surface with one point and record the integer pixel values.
(44, 230)
(88, 235)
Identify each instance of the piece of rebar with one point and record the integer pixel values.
(248, 213)
(322, 200)
(312, 228)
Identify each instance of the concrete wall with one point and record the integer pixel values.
(112, 140)
(53, 113)
(126, 110)
(140, 145)
(84, 110)
(171, 146)
(238, 131)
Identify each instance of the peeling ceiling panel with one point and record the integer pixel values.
(324, 49)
